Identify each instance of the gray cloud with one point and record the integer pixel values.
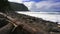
(45, 6)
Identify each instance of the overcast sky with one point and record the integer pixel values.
(40, 5)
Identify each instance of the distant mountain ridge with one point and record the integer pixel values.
(18, 7)
(6, 6)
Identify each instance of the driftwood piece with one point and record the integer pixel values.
(15, 22)
(32, 24)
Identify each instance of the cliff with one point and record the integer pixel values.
(5, 5)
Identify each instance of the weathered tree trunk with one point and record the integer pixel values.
(6, 29)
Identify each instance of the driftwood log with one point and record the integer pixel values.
(24, 24)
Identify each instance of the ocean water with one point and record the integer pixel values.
(49, 16)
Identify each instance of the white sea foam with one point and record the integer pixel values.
(50, 16)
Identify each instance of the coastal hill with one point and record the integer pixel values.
(18, 6)
(5, 5)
